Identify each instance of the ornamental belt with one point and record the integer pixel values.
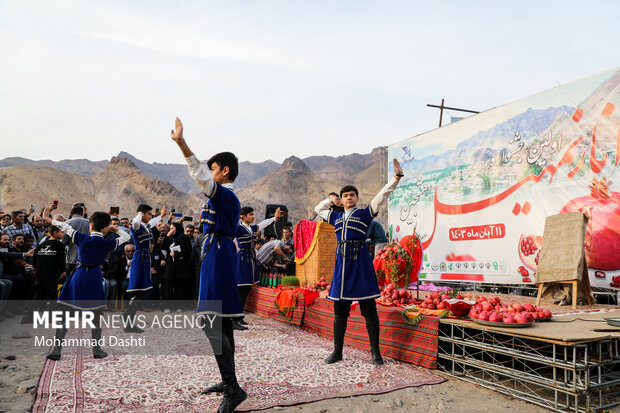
(87, 266)
(250, 253)
(354, 246)
(206, 244)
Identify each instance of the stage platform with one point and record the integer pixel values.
(569, 364)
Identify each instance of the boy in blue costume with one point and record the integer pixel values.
(246, 256)
(354, 275)
(84, 288)
(140, 268)
(218, 295)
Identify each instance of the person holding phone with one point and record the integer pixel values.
(79, 223)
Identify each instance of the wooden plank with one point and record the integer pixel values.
(559, 330)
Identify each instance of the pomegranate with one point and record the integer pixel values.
(529, 246)
(602, 241)
(509, 319)
(521, 318)
(495, 317)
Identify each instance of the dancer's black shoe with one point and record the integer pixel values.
(216, 388)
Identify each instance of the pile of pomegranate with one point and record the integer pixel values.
(435, 301)
(495, 311)
(397, 296)
(318, 286)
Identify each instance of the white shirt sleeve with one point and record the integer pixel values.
(67, 229)
(322, 209)
(135, 223)
(266, 223)
(383, 194)
(201, 174)
(123, 237)
(154, 221)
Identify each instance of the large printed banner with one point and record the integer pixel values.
(478, 190)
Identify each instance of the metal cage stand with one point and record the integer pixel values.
(557, 375)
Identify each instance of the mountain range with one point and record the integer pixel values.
(126, 181)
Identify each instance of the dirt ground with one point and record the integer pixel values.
(19, 377)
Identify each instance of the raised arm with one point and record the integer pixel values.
(199, 172)
(135, 223)
(66, 228)
(322, 209)
(384, 193)
(265, 223)
(123, 237)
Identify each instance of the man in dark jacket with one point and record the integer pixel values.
(178, 275)
(49, 264)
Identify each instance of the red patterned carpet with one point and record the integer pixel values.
(277, 364)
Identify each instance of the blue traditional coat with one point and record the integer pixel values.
(140, 269)
(84, 288)
(246, 267)
(218, 292)
(354, 275)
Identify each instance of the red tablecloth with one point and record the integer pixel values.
(413, 344)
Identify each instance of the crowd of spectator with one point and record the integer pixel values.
(36, 258)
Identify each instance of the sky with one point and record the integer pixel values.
(271, 79)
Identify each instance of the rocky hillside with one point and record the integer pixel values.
(78, 166)
(295, 185)
(333, 169)
(121, 184)
(126, 181)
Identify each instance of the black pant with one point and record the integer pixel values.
(244, 290)
(20, 286)
(368, 308)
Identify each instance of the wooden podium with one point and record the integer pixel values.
(320, 259)
(562, 259)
